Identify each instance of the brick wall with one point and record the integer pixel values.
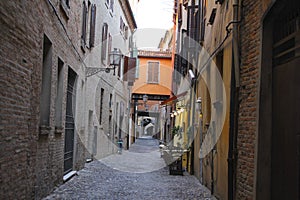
(31, 164)
(18, 107)
(250, 33)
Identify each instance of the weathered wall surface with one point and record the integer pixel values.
(31, 161)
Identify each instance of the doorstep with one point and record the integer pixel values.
(69, 175)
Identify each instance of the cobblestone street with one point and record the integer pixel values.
(139, 173)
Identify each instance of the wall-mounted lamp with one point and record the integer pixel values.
(191, 74)
(115, 58)
(199, 104)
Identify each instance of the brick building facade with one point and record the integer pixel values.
(260, 137)
(46, 50)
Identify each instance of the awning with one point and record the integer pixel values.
(173, 98)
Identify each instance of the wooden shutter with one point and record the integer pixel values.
(109, 47)
(129, 70)
(104, 43)
(153, 72)
(202, 19)
(84, 14)
(93, 26)
(125, 75)
(150, 72)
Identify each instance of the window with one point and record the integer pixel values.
(104, 44)
(92, 25)
(110, 101)
(101, 106)
(45, 99)
(123, 28)
(153, 72)
(60, 94)
(65, 6)
(111, 5)
(84, 18)
(202, 19)
(109, 47)
(88, 25)
(67, 3)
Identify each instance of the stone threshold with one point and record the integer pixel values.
(69, 175)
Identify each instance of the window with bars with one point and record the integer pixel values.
(153, 72)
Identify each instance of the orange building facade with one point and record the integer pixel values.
(151, 87)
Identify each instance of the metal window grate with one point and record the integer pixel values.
(285, 30)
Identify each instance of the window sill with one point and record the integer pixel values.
(153, 83)
(69, 175)
(59, 130)
(45, 130)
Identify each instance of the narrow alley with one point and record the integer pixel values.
(139, 173)
(150, 99)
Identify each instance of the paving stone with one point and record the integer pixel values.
(101, 181)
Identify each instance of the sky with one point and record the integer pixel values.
(154, 18)
(154, 14)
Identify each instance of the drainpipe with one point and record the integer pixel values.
(235, 42)
(234, 104)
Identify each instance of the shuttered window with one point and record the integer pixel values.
(202, 19)
(93, 26)
(111, 5)
(104, 43)
(84, 17)
(153, 72)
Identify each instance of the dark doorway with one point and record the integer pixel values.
(278, 167)
(70, 126)
(286, 103)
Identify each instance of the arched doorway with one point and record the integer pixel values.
(278, 166)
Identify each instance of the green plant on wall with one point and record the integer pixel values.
(175, 130)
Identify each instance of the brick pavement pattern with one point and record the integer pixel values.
(99, 181)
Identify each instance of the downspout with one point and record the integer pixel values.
(235, 42)
(234, 104)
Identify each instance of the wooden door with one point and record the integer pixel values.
(70, 126)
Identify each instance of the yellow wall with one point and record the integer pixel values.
(213, 37)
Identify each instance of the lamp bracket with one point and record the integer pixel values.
(90, 71)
